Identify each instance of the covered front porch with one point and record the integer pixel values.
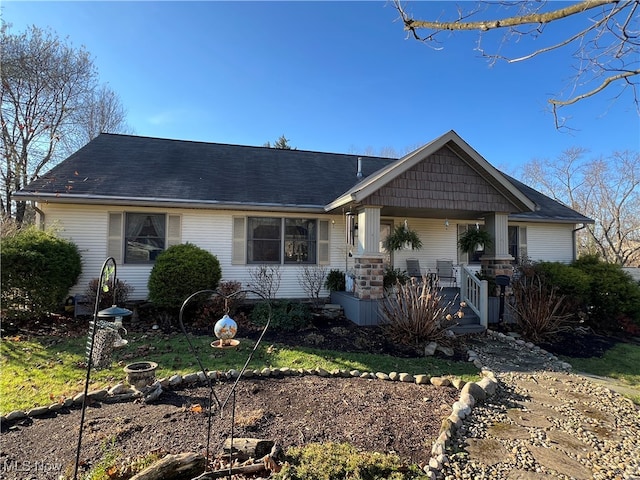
(438, 191)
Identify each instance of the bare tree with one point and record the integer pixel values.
(605, 46)
(605, 189)
(49, 88)
(101, 112)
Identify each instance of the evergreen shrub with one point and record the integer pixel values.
(285, 315)
(38, 269)
(613, 294)
(180, 271)
(335, 281)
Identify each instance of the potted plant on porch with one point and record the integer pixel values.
(402, 237)
(474, 239)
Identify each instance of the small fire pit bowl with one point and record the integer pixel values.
(141, 374)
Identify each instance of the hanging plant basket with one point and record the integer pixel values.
(402, 238)
(474, 239)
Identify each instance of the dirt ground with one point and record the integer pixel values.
(373, 415)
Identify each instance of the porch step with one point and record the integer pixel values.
(468, 329)
(468, 324)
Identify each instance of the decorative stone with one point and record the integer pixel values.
(190, 378)
(448, 351)
(394, 376)
(98, 395)
(440, 381)
(265, 372)
(488, 385)
(406, 377)
(55, 407)
(15, 415)
(355, 373)
(422, 379)
(457, 382)
(475, 390)
(430, 349)
(382, 376)
(322, 372)
(78, 399)
(175, 380)
(116, 389)
(37, 411)
(467, 399)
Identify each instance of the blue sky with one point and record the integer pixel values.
(330, 76)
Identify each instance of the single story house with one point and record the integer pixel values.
(131, 197)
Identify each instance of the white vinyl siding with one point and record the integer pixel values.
(174, 230)
(550, 242)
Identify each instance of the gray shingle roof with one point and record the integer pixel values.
(115, 168)
(548, 208)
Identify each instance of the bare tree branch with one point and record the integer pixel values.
(605, 47)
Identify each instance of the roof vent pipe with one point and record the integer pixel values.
(359, 174)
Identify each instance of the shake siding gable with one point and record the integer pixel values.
(442, 181)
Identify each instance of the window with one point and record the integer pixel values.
(144, 237)
(518, 243)
(280, 240)
(138, 238)
(263, 245)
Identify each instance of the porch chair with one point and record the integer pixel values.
(445, 271)
(413, 269)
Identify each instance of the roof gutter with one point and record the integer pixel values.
(165, 203)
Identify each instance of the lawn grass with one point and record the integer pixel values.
(621, 362)
(41, 370)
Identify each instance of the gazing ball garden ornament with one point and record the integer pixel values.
(225, 329)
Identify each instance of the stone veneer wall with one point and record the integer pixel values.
(493, 266)
(369, 283)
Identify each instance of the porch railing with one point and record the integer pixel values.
(475, 293)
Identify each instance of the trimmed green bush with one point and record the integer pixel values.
(571, 282)
(335, 281)
(613, 294)
(38, 269)
(285, 315)
(180, 271)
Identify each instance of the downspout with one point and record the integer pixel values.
(41, 217)
(573, 237)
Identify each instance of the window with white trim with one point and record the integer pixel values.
(139, 237)
(276, 240)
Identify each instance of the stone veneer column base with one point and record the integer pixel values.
(497, 265)
(369, 282)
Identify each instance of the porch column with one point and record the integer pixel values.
(496, 260)
(369, 230)
(369, 262)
